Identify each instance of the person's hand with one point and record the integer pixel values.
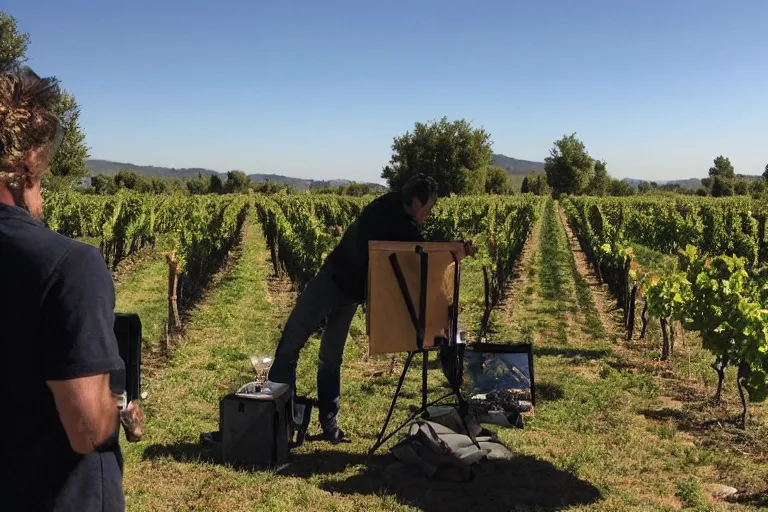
(132, 420)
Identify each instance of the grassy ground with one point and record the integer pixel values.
(602, 437)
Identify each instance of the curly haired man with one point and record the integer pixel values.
(60, 370)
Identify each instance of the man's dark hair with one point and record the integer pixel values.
(419, 186)
(27, 118)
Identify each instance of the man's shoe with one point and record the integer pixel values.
(335, 436)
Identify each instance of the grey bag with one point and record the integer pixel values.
(435, 457)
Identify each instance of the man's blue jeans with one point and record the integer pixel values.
(320, 299)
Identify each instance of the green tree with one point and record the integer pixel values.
(216, 186)
(68, 165)
(741, 187)
(598, 185)
(536, 184)
(13, 45)
(620, 188)
(722, 168)
(644, 187)
(454, 154)
(765, 173)
(569, 167)
(133, 181)
(757, 187)
(161, 186)
(701, 191)
(199, 185)
(722, 187)
(497, 181)
(237, 181)
(103, 184)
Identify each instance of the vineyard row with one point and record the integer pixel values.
(300, 230)
(718, 289)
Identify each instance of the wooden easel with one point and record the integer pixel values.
(392, 328)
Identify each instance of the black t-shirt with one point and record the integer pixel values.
(385, 219)
(56, 322)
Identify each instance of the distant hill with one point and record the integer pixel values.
(515, 166)
(691, 183)
(110, 168)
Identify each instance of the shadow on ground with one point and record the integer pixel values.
(523, 481)
(548, 391)
(582, 353)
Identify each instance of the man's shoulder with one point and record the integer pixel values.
(41, 250)
(386, 202)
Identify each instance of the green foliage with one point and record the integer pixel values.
(569, 167)
(598, 186)
(722, 168)
(271, 187)
(620, 188)
(757, 187)
(536, 184)
(68, 165)
(667, 297)
(725, 308)
(203, 229)
(497, 181)
(301, 230)
(199, 185)
(714, 295)
(454, 154)
(722, 187)
(215, 185)
(716, 226)
(741, 187)
(237, 182)
(351, 189)
(13, 45)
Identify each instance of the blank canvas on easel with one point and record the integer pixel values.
(389, 325)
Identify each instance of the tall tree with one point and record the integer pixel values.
(741, 187)
(569, 167)
(453, 153)
(497, 180)
(526, 186)
(216, 186)
(13, 45)
(765, 173)
(722, 187)
(68, 165)
(722, 168)
(598, 185)
(620, 188)
(237, 181)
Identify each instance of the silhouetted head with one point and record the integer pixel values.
(30, 134)
(420, 195)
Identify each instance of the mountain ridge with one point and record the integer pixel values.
(110, 168)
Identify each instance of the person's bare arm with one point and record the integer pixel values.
(87, 410)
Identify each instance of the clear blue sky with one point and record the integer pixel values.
(657, 88)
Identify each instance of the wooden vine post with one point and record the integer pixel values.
(174, 320)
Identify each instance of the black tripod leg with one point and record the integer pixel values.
(424, 370)
(379, 441)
